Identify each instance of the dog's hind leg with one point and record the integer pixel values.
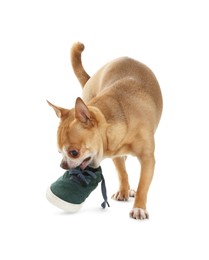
(76, 62)
(147, 169)
(123, 193)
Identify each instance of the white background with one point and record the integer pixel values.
(171, 37)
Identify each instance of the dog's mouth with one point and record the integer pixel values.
(85, 163)
(66, 165)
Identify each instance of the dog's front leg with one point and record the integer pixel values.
(123, 193)
(147, 169)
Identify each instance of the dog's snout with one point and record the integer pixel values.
(64, 165)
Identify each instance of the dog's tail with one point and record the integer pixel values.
(76, 62)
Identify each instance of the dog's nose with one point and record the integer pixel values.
(64, 165)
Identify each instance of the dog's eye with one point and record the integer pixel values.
(74, 153)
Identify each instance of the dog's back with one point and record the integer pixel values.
(127, 83)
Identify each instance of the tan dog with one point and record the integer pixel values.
(122, 109)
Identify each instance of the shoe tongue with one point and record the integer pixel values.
(80, 176)
(103, 186)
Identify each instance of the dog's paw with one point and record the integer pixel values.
(138, 213)
(132, 193)
(121, 195)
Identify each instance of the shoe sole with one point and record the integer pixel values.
(62, 204)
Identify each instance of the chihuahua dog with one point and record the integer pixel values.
(118, 114)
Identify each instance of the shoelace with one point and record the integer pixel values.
(81, 178)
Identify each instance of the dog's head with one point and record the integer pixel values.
(79, 136)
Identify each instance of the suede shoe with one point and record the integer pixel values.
(71, 190)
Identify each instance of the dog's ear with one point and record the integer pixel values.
(60, 112)
(82, 113)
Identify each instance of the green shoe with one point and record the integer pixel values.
(70, 190)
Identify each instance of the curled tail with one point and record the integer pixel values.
(76, 62)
